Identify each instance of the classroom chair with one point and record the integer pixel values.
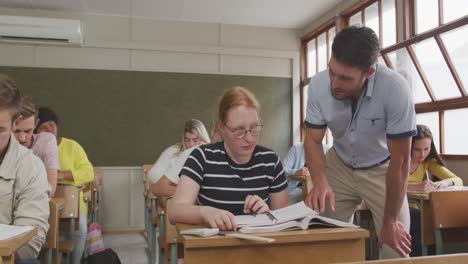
(69, 217)
(52, 238)
(450, 217)
(168, 239)
(306, 183)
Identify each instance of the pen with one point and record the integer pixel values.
(271, 216)
(247, 237)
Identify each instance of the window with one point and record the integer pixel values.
(427, 46)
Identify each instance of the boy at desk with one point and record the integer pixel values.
(24, 196)
(232, 177)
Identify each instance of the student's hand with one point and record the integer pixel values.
(426, 186)
(65, 175)
(253, 204)
(395, 236)
(217, 218)
(442, 184)
(302, 171)
(320, 193)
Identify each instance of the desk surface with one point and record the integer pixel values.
(322, 245)
(418, 195)
(442, 259)
(299, 236)
(9, 246)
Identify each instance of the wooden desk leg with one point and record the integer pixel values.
(9, 259)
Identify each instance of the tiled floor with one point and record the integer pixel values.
(131, 248)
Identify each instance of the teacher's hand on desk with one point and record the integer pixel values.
(320, 193)
(395, 236)
(217, 218)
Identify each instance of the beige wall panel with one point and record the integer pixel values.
(89, 58)
(17, 55)
(460, 168)
(259, 37)
(262, 66)
(122, 198)
(179, 33)
(175, 61)
(106, 29)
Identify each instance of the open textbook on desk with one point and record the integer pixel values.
(296, 216)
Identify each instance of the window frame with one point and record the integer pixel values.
(407, 38)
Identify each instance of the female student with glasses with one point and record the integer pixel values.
(231, 177)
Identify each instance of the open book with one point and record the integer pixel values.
(296, 216)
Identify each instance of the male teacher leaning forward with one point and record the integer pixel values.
(370, 112)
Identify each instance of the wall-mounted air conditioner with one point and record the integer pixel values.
(40, 30)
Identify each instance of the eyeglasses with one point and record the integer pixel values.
(241, 132)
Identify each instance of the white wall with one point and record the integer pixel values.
(120, 43)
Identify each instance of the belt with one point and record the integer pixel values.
(372, 166)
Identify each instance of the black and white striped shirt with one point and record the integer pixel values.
(225, 184)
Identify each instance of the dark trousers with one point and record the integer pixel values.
(27, 261)
(415, 232)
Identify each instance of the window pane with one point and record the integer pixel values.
(456, 42)
(436, 70)
(355, 20)
(432, 121)
(322, 52)
(427, 16)
(454, 9)
(371, 15)
(311, 59)
(403, 64)
(331, 36)
(455, 131)
(388, 23)
(304, 101)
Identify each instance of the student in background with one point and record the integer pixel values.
(75, 169)
(164, 174)
(43, 145)
(293, 164)
(425, 158)
(24, 197)
(232, 177)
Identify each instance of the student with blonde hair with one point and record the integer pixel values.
(231, 177)
(164, 174)
(43, 145)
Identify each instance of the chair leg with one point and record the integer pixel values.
(48, 256)
(174, 253)
(438, 242)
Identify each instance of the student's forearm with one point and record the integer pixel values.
(396, 181)
(185, 213)
(163, 187)
(52, 179)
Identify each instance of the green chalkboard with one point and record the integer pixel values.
(127, 118)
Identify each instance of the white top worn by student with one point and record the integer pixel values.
(294, 165)
(164, 173)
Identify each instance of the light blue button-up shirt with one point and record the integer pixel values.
(384, 110)
(294, 160)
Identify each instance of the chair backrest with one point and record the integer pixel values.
(71, 195)
(450, 208)
(53, 232)
(146, 168)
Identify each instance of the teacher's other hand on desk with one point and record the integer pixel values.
(318, 196)
(217, 218)
(253, 204)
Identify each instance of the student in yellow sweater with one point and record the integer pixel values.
(425, 158)
(75, 169)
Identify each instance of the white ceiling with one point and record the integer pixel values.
(268, 13)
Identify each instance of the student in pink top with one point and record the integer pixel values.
(43, 145)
